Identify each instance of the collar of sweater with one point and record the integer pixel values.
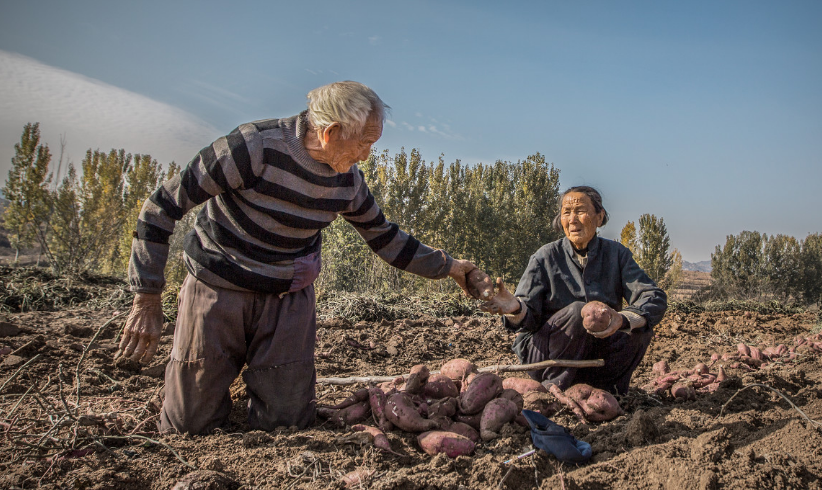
(294, 130)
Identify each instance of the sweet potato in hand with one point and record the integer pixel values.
(596, 316)
(480, 285)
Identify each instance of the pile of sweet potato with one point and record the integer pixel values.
(685, 384)
(454, 409)
(758, 357)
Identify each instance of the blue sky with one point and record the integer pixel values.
(707, 114)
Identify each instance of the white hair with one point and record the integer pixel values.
(348, 103)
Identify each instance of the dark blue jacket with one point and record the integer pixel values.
(554, 279)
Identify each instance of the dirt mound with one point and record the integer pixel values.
(755, 440)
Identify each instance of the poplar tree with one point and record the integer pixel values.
(653, 244)
(27, 190)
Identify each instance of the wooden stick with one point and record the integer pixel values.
(510, 368)
(500, 368)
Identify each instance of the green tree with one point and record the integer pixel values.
(66, 241)
(653, 244)
(673, 276)
(738, 268)
(102, 212)
(810, 263)
(782, 266)
(27, 190)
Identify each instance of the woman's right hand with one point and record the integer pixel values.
(503, 303)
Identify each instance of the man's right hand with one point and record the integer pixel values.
(144, 324)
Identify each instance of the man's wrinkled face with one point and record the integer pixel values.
(345, 152)
(579, 219)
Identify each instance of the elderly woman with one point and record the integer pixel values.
(568, 304)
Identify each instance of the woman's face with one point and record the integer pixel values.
(578, 218)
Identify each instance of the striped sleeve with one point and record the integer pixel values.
(233, 161)
(392, 244)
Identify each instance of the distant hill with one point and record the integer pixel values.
(703, 266)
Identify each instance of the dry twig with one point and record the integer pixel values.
(811, 421)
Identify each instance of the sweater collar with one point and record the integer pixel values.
(294, 130)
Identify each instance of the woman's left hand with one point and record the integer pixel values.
(503, 302)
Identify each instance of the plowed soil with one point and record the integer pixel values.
(747, 434)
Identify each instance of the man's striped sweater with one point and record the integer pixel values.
(266, 202)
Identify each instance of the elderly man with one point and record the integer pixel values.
(270, 187)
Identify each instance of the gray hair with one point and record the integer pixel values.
(592, 194)
(348, 103)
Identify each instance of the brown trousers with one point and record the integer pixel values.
(218, 331)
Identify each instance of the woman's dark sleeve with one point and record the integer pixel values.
(533, 289)
(643, 296)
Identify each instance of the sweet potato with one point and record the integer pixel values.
(450, 443)
(355, 479)
(417, 379)
(683, 390)
(496, 413)
(444, 407)
(458, 369)
(514, 396)
(721, 376)
(377, 437)
(701, 368)
(480, 286)
(440, 386)
(356, 397)
(472, 420)
(484, 388)
(523, 385)
(350, 415)
(598, 405)
(568, 402)
(463, 429)
(596, 316)
(401, 411)
(661, 367)
(538, 401)
(467, 382)
(377, 399)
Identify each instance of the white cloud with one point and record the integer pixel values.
(91, 114)
(407, 126)
(422, 129)
(374, 40)
(391, 123)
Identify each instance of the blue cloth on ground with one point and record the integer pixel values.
(555, 439)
